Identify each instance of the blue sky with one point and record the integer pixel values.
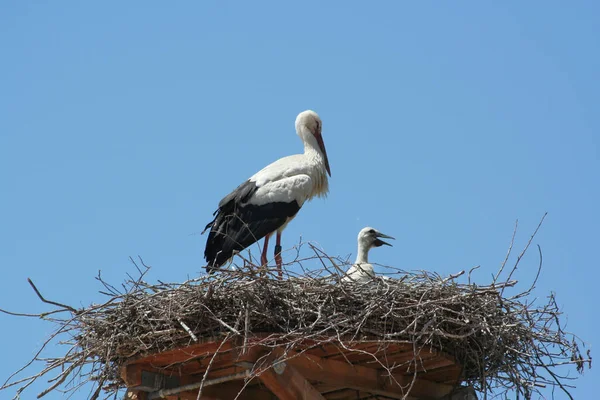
(123, 124)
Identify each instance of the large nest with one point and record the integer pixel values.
(504, 343)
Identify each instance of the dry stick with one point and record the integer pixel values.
(251, 375)
(452, 277)
(187, 329)
(425, 303)
(532, 286)
(35, 358)
(163, 393)
(319, 253)
(246, 329)
(48, 301)
(524, 250)
(470, 272)
(15, 314)
(113, 290)
(209, 366)
(512, 242)
(557, 380)
(539, 271)
(64, 376)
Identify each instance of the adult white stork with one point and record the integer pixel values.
(270, 199)
(362, 271)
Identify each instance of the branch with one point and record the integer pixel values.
(49, 301)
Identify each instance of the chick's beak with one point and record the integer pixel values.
(378, 242)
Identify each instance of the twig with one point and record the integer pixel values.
(49, 301)
(210, 365)
(498, 341)
(188, 330)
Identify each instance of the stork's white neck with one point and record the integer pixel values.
(310, 143)
(363, 253)
(312, 151)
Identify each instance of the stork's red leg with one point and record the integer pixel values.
(263, 257)
(278, 259)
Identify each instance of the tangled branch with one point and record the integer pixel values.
(504, 344)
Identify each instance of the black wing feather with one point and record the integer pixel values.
(238, 224)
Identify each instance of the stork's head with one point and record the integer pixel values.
(369, 237)
(308, 127)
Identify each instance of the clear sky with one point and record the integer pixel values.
(122, 124)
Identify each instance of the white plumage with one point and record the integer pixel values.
(270, 199)
(362, 271)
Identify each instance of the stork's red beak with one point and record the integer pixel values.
(324, 151)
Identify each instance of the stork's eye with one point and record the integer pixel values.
(372, 231)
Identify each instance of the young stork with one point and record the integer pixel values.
(270, 199)
(362, 271)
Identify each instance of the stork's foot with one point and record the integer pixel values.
(278, 261)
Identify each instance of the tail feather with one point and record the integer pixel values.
(230, 232)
